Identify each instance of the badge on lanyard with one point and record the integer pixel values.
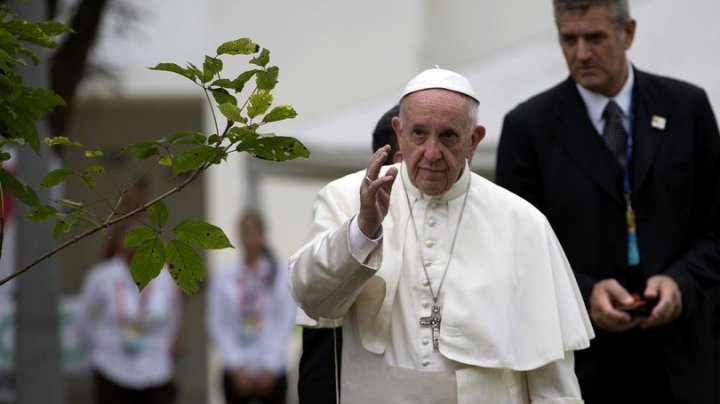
(250, 297)
(633, 251)
(134, 327)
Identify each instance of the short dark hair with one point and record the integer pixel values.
(384, 133)
(618, 10)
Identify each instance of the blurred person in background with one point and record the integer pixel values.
(251, 319)
(130, 335)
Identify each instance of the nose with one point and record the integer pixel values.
(582, 51)
(432, 150)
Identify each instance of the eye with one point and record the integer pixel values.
(596, 37)
(568, 40)
(449, 137)
(418, 134)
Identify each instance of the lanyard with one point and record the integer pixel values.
(251, 294)
(633, 252)
(123, 310)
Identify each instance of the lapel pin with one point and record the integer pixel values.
(658, 122)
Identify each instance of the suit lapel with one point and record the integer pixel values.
(646, 137)
(578, 137)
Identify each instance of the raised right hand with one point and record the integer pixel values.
(375, 193)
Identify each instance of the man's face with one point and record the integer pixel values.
(436, 135)
(594, 49)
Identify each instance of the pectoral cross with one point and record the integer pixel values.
(433, 321)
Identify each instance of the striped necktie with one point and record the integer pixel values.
(614, 132)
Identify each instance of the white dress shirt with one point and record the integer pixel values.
(595, 103)
(129, 334)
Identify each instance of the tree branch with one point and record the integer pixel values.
(105, 225)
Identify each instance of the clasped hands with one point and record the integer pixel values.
(253, 383)
(608, 294)
(375, 193)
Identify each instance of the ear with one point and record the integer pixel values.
(477, 135)
(629, 33)
(395, 122)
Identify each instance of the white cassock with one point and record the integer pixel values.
(512, 313)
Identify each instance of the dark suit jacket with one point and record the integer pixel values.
(550, 154)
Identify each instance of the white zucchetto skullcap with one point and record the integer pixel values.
(440, 78)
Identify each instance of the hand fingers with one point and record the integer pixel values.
(605, 295)
(669, 305)
(375, 201)
(376, 162)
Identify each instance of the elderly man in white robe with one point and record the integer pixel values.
(450, 288)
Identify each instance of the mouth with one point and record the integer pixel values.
(587, 69)
(432, 171)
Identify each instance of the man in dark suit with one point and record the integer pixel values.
(319, 369)
(633, 194)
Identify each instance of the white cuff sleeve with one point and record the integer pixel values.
(360, 245)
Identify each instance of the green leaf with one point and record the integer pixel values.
(36, 102)
(222, 96)
(5, 156)
(30, 54)
(280, 113)
(243, 78)
(241, 134)
(166, 161)
(147, 262)
(93, 153)
(87, 219)
(54, 28)
(136, 237)
(88, 180)
(94, 169)
(61, 141)
(172, 67)
(144, 148)
(59, 228)
(68, 203)
(193, 158)
(268, 79)
(88, 176)
(201, 234)
(185, 266)
(40, 213)
(259, 103)
(223, 83)
(30, 32)
(211, 67)
(15, 140)
(275, 148)
(197, 72)
(187, 137)
(262, 59)
(17, 188)
(158, 213)
(20, 126)
(56, 177)
(68, 219)
(232, 112)
(242, 46)
(213, 139)
(7, 39)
